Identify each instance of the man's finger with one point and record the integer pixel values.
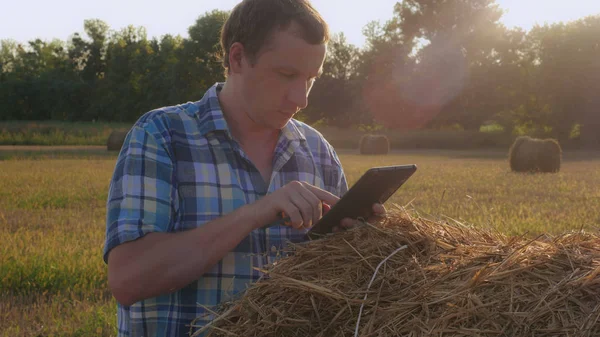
(323, 195)
(378, 209)
(326, 208)
(348, 223)
(305, 209)
(315, 204)
(295, 216)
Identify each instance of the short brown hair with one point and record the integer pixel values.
(252, 21)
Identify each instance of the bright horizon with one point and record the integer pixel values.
(23, 21)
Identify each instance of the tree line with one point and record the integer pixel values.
(437, 64)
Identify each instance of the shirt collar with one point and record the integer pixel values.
(211, 116)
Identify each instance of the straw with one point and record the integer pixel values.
(450, 280)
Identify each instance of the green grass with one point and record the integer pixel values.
(57, 133)
(54, 152)
(422, 139)
(53, 279)
(53, 133)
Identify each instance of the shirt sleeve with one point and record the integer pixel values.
(141, 195)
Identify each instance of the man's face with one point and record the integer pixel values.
(277, 85)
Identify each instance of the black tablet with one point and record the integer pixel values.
(376, 185)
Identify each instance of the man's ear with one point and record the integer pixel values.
(236, 57)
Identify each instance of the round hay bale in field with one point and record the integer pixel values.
(550, 156)
(516, 157)
(535, 155)
(115, 140)
(409, 276)
(374, 144)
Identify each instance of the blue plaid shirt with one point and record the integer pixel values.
(179, 168)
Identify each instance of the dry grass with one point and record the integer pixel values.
(479, 188)
(413, 277)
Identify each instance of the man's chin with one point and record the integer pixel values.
(281, 123)
(280, 126)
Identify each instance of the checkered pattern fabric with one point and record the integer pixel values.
(179, 168)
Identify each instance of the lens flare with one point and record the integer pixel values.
(404, 94)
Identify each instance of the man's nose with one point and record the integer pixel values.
(298, 94)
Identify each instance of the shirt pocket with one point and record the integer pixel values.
(208, 186)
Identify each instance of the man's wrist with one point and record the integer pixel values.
(248, 215)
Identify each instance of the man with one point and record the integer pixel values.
(195, 184)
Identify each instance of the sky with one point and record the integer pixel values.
(25, 20)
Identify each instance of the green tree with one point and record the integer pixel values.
(90, 56)
(335, 98)
(568, 72)
(37, 80)
(118, 95)
(158, 81)
(199, 64)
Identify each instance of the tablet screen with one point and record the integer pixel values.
(376, 185)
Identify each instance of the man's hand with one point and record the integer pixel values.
(301, 201)
(347, 223)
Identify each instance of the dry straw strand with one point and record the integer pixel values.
(369, 286)
(452, 280)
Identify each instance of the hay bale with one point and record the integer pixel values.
(374, 144)
(115, 140)
(516, 158)
(414, 277)
(535, 155)
(552, 156)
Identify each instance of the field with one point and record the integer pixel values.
(57, 133)
(53, 279)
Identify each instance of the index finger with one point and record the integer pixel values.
(323, 195)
